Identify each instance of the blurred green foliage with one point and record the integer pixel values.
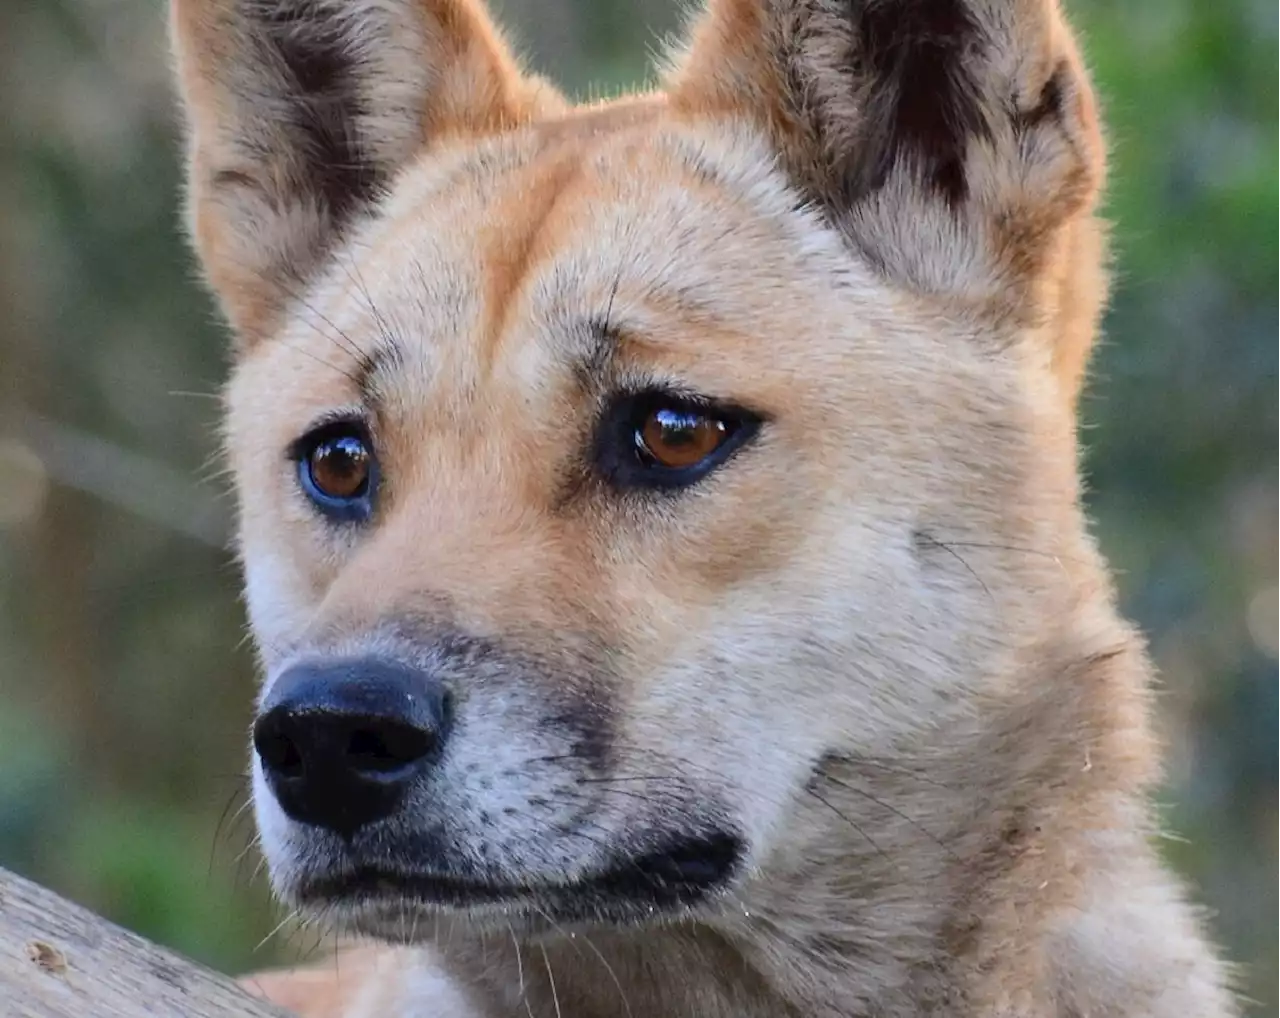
(125, 688)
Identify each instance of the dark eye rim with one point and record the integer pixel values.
(621, 461)
(356, 508)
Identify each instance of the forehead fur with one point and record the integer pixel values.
(632, 239)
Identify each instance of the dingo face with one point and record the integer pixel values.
(609, 476)
(639, 666)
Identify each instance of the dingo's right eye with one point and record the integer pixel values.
(337, 470)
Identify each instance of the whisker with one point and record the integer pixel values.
(864, 761)
(293, 914)
(674, 778)
(895, 811)
(626, 1004)
(870, 841)
(347, 344)
(930, 539)
(352, 269)
(222, 819)
(638, 796)
(307, 925)
(320, 360)
(262, 864)
(551, 980)
(515, 942)
(623, 264)
(1012, 547)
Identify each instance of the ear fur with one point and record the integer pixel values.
(955, 143)
(300, 111)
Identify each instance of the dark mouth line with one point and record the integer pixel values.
(680, 875)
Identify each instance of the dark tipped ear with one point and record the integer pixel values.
(954, 142)
(300, 112)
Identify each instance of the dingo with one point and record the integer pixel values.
(660, 518)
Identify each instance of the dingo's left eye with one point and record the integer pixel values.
(661, 440)
(679, 437)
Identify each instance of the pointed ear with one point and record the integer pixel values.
(955, 143)
(300, 111)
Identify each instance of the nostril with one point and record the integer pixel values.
(279, 753)
(388, 747)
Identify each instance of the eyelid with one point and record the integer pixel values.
(333, 419)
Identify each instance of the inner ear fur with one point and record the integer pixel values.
(299, 112)
(954, 143)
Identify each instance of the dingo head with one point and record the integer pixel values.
(608, 475)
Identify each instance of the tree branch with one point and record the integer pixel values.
(58, 960)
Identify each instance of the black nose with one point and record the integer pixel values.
(341, 742)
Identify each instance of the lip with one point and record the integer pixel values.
(677, 876)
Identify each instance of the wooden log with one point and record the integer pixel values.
(58, 960)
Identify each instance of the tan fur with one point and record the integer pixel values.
(880, 641)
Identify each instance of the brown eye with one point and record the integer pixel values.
(340, 467)
(659, 440)
(678, 437)
(337, 471)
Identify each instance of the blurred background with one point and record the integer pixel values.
(125, 684)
